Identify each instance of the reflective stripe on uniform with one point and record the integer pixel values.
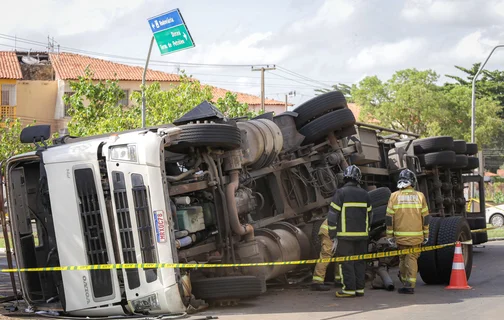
(369, 208)
(343, 217)
(407, 190)
(412, 280)
(317, 279)
(408, 233)
(390, 211)
(352, 234)
(424, 210)
(360, 291)
(335, 206)
(332, 228)
(390, 231)
(407, 206)
(324, 226)
(351, 292)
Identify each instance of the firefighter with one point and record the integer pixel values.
(326, 251)
(348, 223)
(407, 226)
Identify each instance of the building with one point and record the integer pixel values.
(35, 84)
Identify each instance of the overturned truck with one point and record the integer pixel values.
(208, 189)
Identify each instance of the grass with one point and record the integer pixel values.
(495, 233)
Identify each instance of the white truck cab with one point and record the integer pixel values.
(96, 201)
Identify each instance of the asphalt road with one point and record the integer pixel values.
(483, 301)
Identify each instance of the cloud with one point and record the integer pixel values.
(454, 12)
(62, 18)
(250, 49)
(386, 54)
(330, 14)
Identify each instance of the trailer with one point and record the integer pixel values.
(208, 189)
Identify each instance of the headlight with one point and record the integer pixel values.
(123, 153)
(147, 303)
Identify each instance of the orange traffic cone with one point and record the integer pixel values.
(458, 279)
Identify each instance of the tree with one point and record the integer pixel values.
(232, 108)
(489, 83)
(409, 101)
(95, 108)
(412, 101)
(343, 88)
(10, 145)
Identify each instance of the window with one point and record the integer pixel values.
(67, 105)
(8, 95)
(125, 100)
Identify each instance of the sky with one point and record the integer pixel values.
(312, 43)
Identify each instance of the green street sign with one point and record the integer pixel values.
(170, 32)
(173, 39)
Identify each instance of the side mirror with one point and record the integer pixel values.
(35, 134)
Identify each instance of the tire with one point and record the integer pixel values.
(459, 146)
(235, 287)
(461, 162)
(318, 106)
(472, 163)
(433, 144)
(476, 223)
(453, 229)
(379, 214)
(442, 158)
(379, 196)
(316, 130)
(223, 136)
(496, 220)
(471, 149)
(427, 264)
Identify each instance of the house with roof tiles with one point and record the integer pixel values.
(33, 84)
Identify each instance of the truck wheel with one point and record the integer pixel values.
(379, 196)
(235, 287)
(441, 158)
(379, 214)
(318, 106)
(471, 149)
(433, 144)
(215, 135)
(459, 146)
(453, 229)
(476, 223)
(427, 264)
(461, 162)
(472, 163)
(316, 130)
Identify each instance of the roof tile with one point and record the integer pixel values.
(70, 66)
(249, 99)
(9, 66)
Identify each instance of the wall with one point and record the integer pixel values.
(36, 100)
(269, 108)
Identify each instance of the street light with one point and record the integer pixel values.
(473, 119)
(473, 103)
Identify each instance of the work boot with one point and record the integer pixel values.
(359, 294)
(337, 283)
(319, 287)
(341, 294)
(406, 290)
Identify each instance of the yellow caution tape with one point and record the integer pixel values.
(384, 254)
(368, 256)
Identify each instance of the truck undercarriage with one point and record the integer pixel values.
(236, 191)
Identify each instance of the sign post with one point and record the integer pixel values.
(171, 35)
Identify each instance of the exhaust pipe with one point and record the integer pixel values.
(388, 284)
(245, 230)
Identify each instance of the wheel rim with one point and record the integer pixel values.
(497, 220)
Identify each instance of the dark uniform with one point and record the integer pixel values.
(349, 220)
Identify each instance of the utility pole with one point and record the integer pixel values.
(262, 69)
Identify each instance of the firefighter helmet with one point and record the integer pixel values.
(352, 173)
(406, 178)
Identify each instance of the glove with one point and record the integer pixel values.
(392, 242)
(425, 241)
(334, 246)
